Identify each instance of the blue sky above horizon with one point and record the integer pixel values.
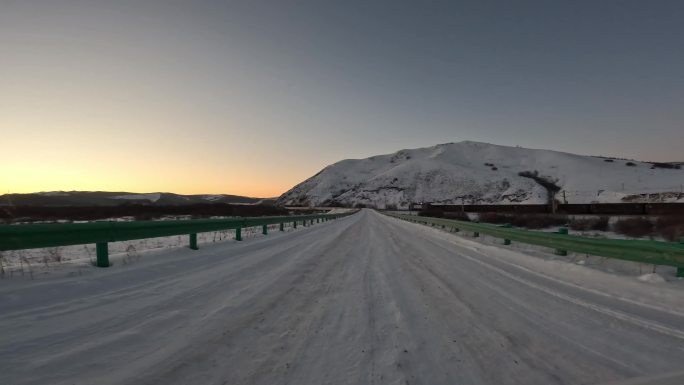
(251, 97)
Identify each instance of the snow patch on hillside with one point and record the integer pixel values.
(152, 197)
(53, 193)
(212, 198)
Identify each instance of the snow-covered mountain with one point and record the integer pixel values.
(473, 172)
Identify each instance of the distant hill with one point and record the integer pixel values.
(107, 198)
(481, 173)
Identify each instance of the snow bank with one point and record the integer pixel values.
(651, 278)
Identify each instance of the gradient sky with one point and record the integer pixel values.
(251, 97)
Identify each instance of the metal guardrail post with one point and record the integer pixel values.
(193, 242)
(264, 229)
(680, 270)
(564, 231)
(238, 234)
(102, 252)
(507, 226)
(294, 224)
(282, 226)
(476, 234)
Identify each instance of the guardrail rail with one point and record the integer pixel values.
(644, 251)
(32, 236)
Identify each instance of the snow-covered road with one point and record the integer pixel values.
(362, 300)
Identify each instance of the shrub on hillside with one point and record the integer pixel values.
(539, 221)
(585, 224)
(582, 224)
(630, 164)
(530, 221)
(670, 227)
(429, 210)
(457, 215)
(431, 213)
(634, 227)
(601, 224)
(665, 165)
(495, 218)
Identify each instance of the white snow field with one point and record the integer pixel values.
(366, 299)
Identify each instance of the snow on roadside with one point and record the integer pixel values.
(604, 276)
(651, 278)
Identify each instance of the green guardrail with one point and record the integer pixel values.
(32, 236)
(652, 252)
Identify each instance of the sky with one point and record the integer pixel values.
(252, 97)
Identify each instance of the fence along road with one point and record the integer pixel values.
(364, 299)
(643, 251)
(31, 236)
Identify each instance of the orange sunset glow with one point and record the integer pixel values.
(236, 98)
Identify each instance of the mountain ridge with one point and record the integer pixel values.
(117, 198)
(476, 172)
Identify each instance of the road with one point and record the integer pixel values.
(362, 300)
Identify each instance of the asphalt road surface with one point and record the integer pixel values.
(366, 299)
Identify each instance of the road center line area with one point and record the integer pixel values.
(366, 299)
